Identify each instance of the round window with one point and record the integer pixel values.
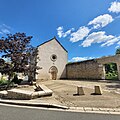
(53, 57)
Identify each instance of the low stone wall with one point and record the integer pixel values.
(21, 94)
(89, 69)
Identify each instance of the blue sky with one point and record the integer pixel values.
(86, 28)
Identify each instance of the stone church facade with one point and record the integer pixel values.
(53, 58)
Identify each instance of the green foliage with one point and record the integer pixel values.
(22, 56)
(16, 80)
(17, 48)
(111, 76)
(111, 67)
(111, 71)
(118, 51)
(3, 81)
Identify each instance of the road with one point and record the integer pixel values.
(9, 112)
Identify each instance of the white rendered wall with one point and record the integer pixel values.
(46, 50)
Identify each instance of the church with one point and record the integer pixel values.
(53, 58)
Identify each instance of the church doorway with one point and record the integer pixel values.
(53, 73)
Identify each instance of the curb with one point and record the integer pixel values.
(46, 105)
(69, 109)
(95, 110)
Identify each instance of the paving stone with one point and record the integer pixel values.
(118, 113)
(96, 109)
(117, 109)
(105, 109)
(72, 108)
(111, 110)
(88, 108)
(79, 108)
(101, 112)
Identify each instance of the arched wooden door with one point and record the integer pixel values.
(53, 71)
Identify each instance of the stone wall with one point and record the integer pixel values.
(109, 59)
(89, 69)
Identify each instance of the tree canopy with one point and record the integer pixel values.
(118, 51)
(18, 50)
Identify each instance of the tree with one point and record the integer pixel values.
(18, 49)
(118, 51)
(111, 71)
(33, 65)
(6, 68)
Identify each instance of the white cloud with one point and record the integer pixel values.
(96, 37)
(61, 33)
(101, 21)
(119, 41)
(79, 34)
(4, 29)
(117, 46)
(100, 37)
(68, 32)
(75, 59)
(115, 7)
(111, 41)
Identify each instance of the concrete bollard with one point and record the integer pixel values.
(80, 90)
(98, 90)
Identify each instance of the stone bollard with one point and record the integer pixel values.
(98, 90)
(80, 90)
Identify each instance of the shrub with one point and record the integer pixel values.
(16, 80)
(3, 81)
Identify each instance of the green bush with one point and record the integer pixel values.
(112, 76)
(3, 81)
(111, 71)
(16, 80)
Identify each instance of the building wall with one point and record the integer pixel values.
(110, 59)
(89, 69)
(45, 52)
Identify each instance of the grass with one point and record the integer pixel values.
(111, 76)
(3, 81)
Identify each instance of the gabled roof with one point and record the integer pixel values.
(51, 40)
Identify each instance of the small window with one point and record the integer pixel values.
(53, 57)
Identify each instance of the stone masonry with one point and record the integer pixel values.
(83, 70)
(91, 69)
